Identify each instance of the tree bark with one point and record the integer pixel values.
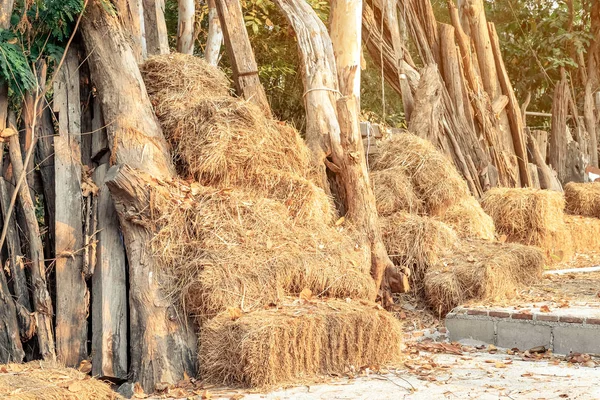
(212, 52)
(185, 26)
(11, 348)
(163, 345)
(42, 304)
(241, 56)
(109, 290)
(155, 27)
(131, 17)
(557, 154)
(72, 297)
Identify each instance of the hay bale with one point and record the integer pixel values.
(469, 220)
(585, 233)
(532, 217)
(394, 192)
(416, 241)
(40, 380)
(295, 340)
(435, 180)
(583, 199)
(481, 270)
(227, 248)
(176, 77)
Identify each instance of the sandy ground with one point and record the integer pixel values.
(471, 376)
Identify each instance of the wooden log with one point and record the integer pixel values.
(535, 179)
(546, 176)
(44, 160)
(109, 290)
(590, 123)
(155, 27)
(165, 345)
(87, 104)
(557, 150)
(214, 39)
(131, 18)
(515, 118)
(185, 26)
(99, 138)
(42, 303)
(72, 297)
(541, 138)
(241, 56)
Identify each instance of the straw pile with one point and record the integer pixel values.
(394, 192)
(585, 233)
(47, 381)
(224, 142)
(469, 220)
(229, 248)
(433, 177)
(481, 270)
(583, 199)
(295, 339)
(532, 217)
(416, 242)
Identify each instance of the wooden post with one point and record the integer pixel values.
(164, 344)
(11, 348)
(515, 118)
(185, 26)
(109, 290)
(72, 297)
(212, 51)
(557, 150)
(155, 27)
(241, 56)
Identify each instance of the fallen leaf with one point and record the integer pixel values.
(492, 349)
(138, 391)
(234, 313)
(161, 386)
(502, 238)
(499, 364)
(340, 221)
(85, 366)
(545, 309)
(306, 294)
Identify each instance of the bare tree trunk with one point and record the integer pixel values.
(130, 14)
(185, 26)
(155, 27)
(163, 345)
(72, 297)
(241, 56)
(557, 154)
(212, 52)
(11, 348)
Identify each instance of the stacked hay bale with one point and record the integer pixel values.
(532, 217)
(432, 225)
(247, 230)
(582, 202)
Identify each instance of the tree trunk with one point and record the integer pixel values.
(11, 348)
(109, 290)
(155, 27)
(72, 297)
(163, 345)
(557, 154)
(42, 304)
(185, 27)
(212, 52)
(547, 180)
(130, 14)
(241, 56)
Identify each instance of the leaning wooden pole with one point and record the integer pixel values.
(163, 342)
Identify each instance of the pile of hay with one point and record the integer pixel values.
(532, 217)
(228, 248)
(394, 192)
(481, 270)
(585, 233)
(39, 380)
(225, 142)
(295, 339)
(433, 176)
(416, 242)
(583, 199)
(469, 220)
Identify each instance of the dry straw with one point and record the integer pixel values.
(469, 220)
(477, 270)
(416, 241)
(39, 380)
(434, 178)
(583, 199)
(531, 216)
(585, 233)
(228, 248)
(297, 339)
(225, 142)
(394, 192)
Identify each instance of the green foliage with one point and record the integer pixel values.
(14, 66)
